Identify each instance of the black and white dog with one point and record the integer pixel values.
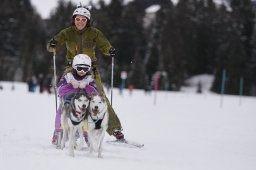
(97, 123)
(72, 120)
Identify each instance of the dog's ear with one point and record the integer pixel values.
(94, 93)
(73, 98)
(71, 95)
(82, 92)
(103, 97)
(90, 96)
(101, 94)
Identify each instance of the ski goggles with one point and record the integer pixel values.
(84, 69)
(81, 19)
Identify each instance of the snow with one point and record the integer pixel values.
(153, 9)
(206, 81)
(182, 131)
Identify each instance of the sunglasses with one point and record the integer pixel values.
(81, 19)
(84, 69)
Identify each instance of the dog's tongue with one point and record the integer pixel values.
(83, 109)
(95, 112)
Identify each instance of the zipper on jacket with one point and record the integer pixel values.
(81, 43)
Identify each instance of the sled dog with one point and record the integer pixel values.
(72, 120)
(97, 123)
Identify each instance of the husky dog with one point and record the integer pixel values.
(97, 123)
(72, 119)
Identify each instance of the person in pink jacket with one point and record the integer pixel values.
(77, 80)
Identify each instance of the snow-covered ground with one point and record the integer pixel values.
(182, 131)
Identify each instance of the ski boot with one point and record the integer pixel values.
(119, 136)
(121, 141)
(86, 138)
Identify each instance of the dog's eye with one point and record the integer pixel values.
(79, 100)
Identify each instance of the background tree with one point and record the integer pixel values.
(22, 40)
(183, 40)
(237, 51)
(60, 18)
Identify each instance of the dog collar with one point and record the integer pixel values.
(75, 123)
(97, 121)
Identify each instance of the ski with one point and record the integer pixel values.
(125, 143)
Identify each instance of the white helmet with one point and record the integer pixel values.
(81, 60)
(83, 11)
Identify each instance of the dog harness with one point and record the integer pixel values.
(97, 121)
(75, 123)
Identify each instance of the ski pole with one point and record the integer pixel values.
(112, 77)
(55, 78)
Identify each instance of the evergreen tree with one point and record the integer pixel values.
(60, 18)
(187, 23)
(131, 53)
(238, 49)
(206, 37)
(102, 21)
(193, 37)
(107, 19)
(244, 16)
(224, 32)
(22, 42)
(124, 33)
(173, 55)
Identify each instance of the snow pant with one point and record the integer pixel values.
(114, 122)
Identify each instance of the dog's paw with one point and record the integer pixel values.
(62, 146)
(79, 147)
(72, 154)
(100, 156)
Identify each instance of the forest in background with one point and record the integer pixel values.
(176, 42)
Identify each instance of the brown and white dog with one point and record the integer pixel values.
(97, 123)
(72, 120)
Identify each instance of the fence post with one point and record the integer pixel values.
(223, 86)
(241, 89)
(156, 78)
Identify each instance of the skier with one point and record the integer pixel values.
(82, 38)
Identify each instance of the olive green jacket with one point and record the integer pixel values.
(81, 42)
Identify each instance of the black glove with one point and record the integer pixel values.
(53, 43)
(112, 52)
